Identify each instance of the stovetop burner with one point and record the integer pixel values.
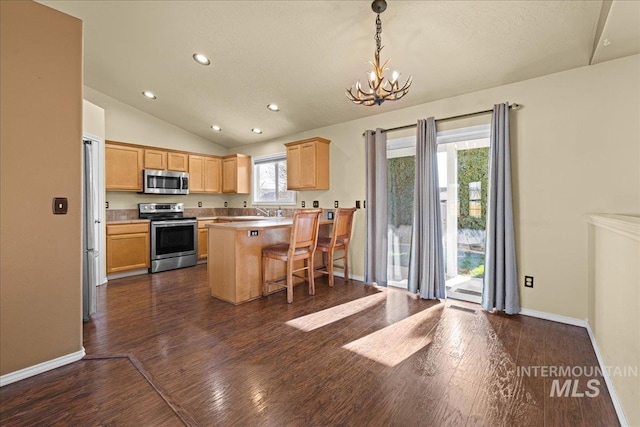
(162, 211)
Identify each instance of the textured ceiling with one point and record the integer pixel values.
(303, 54)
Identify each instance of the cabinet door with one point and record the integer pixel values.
(123, 168)
(229, 175)
(212, 175)
(293, 168)
(155, 159)
(127, 252)
(202, 242)
(196, 174)
(178, 162)
(308, 165)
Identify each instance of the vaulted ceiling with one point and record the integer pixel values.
(302, 55)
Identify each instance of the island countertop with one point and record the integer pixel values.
(234, 264)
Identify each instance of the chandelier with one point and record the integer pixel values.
(380, 87)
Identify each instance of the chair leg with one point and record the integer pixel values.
(289, 281)
(345, 261)
(330, 268)
(312, 286)
(324, 260)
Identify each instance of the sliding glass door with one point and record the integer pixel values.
(463, 176)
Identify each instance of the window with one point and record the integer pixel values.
(270, 181)
(475, 197)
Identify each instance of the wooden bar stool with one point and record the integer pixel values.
(339, 241)
(302, 246)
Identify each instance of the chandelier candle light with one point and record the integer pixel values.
(380, 88)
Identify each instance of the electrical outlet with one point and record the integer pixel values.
(106, 205)
(226, 205)
(336, 204)
(252, 233)
(528, 281)
(357, 204)
(244, 204)
(316, 204)
(302, 203)
(199, 204)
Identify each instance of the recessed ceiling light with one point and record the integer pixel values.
(216, 128)
(273, 107)
(201, 59)
(149, 94)
(256, 130)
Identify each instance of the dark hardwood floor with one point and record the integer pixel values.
(350, 355)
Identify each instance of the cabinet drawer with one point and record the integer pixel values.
(115, 229)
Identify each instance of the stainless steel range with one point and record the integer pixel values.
(174, 237)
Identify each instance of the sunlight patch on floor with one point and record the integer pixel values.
(325, 317)
(395, 343)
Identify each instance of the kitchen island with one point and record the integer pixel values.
(234, 267)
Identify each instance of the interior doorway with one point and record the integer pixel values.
(463, 170)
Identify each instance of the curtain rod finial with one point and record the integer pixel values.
(516, 106)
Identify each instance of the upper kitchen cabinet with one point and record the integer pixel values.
(205, 174)
(155, 159)
(165, 160)
(236, 174)
(123, 167)
(308, 164)
(178, 162)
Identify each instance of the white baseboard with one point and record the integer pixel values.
(30, 371)
(607, 378)
(553, 317)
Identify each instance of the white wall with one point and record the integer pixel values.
(575, 147)
(614, 302)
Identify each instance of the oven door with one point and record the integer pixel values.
(173, 238)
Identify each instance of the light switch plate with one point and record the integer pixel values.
(60, 205)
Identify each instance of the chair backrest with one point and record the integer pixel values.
(304, 232)
(342, 224)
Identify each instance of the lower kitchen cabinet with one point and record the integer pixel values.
(202, 237)
(127, 247)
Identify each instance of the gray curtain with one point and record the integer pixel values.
(375, 267)
(500, 289)
(426, 262)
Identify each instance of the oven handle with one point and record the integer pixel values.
(178, 222)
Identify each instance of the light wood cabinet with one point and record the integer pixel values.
(236, 174)
(123, 167)
(205, 174)
(165, 160)
(308, 164)
(127, 247)
(212, 175)
(196, 174)
(202, 237)
(178, 162)
(155, 159)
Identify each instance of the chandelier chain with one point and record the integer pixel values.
(378, 38)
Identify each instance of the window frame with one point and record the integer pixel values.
(256, 162)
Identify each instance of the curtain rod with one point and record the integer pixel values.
(459, 116)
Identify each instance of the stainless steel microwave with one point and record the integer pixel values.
(165, 182)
